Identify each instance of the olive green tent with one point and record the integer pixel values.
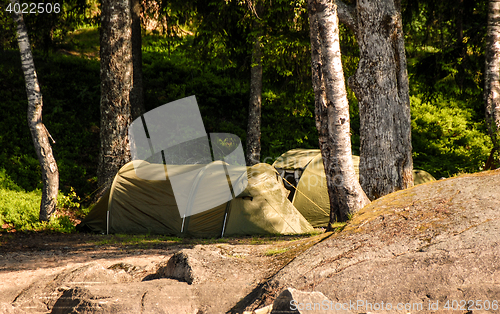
(305, 166)
(138, 206)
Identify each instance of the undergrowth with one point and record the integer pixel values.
(19, 209)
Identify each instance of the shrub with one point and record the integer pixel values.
(19, 209)
(445, 139)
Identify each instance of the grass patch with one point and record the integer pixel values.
(339, 226)
(19, 210)
(134, 239)
(275, 251)
(82, 42)
(145, 241)
(273, 238)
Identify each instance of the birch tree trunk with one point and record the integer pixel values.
(332, 112)
(116, 83)
(492, 76)
(381, 87)
(39, 133)
(255, 106)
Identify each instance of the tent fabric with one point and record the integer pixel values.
(267, 208)
(295, 159)
(311, 198)
(138, 206)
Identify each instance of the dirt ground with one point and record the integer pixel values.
(26, 259)
(31, 251)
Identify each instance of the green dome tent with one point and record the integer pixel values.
(305, 166)
(137, 206)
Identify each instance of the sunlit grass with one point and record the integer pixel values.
(275, 251)
(82, 42)
(19, 210)
(131, 240)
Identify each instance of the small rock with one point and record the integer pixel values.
(292, 301)
(178, 267)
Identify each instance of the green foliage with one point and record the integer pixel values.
(445, 138)
(83, 41)
(7, 183)
(445, 71)
(69, 201)
(46, 30)
(19, 209)
(70, 88)
(445, 48)
(286, 124)
(222, 99)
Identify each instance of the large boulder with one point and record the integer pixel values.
(432, 247)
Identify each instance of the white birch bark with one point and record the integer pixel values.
(39, 133)
(332, 111)
(492, 73)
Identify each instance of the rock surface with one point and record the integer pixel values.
(415, 250)
(204, 279)
(159, 296)
(418, 250)
(292, 301)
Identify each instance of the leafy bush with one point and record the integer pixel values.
(19, 211)
(7, 183)
(445, 139)
(448, 136)
(70, 88)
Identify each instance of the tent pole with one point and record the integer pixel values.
(228, 178)
(224, 226)
(182, 227)
(225, 219)
(107, 222)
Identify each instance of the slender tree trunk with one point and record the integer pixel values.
(381, 87)
(39, 133)
(492, 74)
(137, 91)
(332, 112)
(255, 106)
(116, 83)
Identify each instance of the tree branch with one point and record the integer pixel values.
(347, 15)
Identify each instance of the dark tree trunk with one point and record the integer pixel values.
(137, 91)
(332, 112)
(39, 133)
(116, 83)
(381, 87)
(492, 75)
(255, 106)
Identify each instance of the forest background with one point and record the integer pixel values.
(204, 49)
